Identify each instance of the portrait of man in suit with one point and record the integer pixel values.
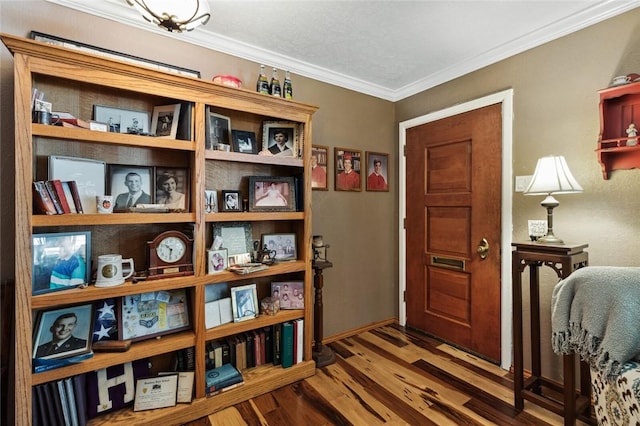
(135, 184)
(62, 342)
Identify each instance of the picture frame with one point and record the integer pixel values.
(348, 176)
(78, 318)
(217, 261)
(290, 133)
(244, 302)
(61, 261)
(218, 129)
(236, 237)
(90, 176)
(121, 120)
(152, 314)
(124, 176)
(290, 294)
(210, 201)
(231, 201)
(244, 141)
(377, 171)
(284, 246)
(70, 44)
(173, 188)
(272, 194)
(319, 167)
(164, 122)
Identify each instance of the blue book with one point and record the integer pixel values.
(222, 377)
(40, 364)
(286, 347)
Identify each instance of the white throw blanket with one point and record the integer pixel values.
(595, 312)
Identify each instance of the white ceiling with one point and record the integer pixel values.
(389, 49)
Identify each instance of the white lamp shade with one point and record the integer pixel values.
(552, 176)
(174, 15)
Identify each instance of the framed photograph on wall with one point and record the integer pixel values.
(348, 164)
(130, 185)
(267, 193)
(284, 246)
(172, 187)
(243, 141)
(244, 302)
(122, 120)
(60, 261)
(377, 171)
(280, 138)
(218, 130)
(61, 333)
(164, 123)
(319, 167)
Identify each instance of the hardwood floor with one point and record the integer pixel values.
(394, 376)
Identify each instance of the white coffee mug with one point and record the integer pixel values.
(110, 270)
(104, 203)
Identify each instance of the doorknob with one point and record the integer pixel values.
(483, 248)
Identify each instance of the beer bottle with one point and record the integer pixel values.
(274, 88)
(262, 85)
(286, 86)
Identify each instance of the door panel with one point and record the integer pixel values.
(453, 202)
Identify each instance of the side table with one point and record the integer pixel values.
(322, 355)
(563, 259)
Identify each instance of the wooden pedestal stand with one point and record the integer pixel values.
(322, 355)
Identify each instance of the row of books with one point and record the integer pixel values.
(280, 344)
(56, 197)
(61, 402)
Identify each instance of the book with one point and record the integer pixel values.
(231, 340)
(286, 347)
(226, 353)
(79, 384)
(226, 388)
(299, 340)
(54, 196)
(71, 401)
(268, 344)
(276, 340)
(57, 184)
(41, 199)
(55, 404)
(222, 377)
(62, 392)
(69, 197)
(73, 186)
(250, 350)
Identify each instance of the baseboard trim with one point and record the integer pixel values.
(359, 330)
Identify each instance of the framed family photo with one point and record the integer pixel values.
(130, 185)
(267, 193)
(284, 246)
(280, 138)
(319, 167)
(122, 120)
(218, 130)
(61, 333)
(60, 261)
(377, 171)
(243, 141)
(290, 294)
(348, 166)
(164, 123)
(244, 302)
(172, 187)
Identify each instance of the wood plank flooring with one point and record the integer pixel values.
(390, 375)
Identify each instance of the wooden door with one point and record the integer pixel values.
(453, 204)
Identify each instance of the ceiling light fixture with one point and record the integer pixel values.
(173, 15)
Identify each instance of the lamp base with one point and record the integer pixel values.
(549, 239)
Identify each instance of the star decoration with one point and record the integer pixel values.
(103, 332)
(106, 310)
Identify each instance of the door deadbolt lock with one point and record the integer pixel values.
(483, 248)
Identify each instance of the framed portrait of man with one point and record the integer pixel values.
(61, 333)
(130, 185)
(377, 172)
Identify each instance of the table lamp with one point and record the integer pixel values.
(552, 176)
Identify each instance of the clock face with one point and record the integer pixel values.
(171, 249)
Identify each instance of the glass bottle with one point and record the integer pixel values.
(274, 88)
(262, 85)
(287, 88)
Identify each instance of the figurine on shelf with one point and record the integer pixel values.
(632, 132)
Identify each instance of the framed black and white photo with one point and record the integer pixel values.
(284, 246)
(218, 130)
(122, 120)
(231, 201)
(61, 333)
(267, 193)
(172, 187)
(60, 261)
(130, 185)
(243, 141)
(164, 123)
(280, 138)
(218, 261)
(244, 302)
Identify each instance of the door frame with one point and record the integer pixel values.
(505, 98)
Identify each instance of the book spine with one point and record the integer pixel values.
(268, 344)
(57, 184)
(299, 341)
(69, 197)
(287, 345)
(42, 200)
(251, 359)
(276, 339)
(226, 388)
(73, 185)
(54, 196)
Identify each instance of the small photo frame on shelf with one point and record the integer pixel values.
(126, 181)
(217, 261)
(290, 294)
(284, 246)
(280, 138)
(164, 122)
(122, 120)
(377, 171)
(172, 188)
(218, 130)
(348, 164)
(244, 302)
(210, 201)
(231, 201)
(319, 167)
(60, 261)
(269, 194)
(61, 333)
(156, 313)
(89, 175)
(243, 141)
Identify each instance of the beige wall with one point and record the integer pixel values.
(360, 227)
(556, 112)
